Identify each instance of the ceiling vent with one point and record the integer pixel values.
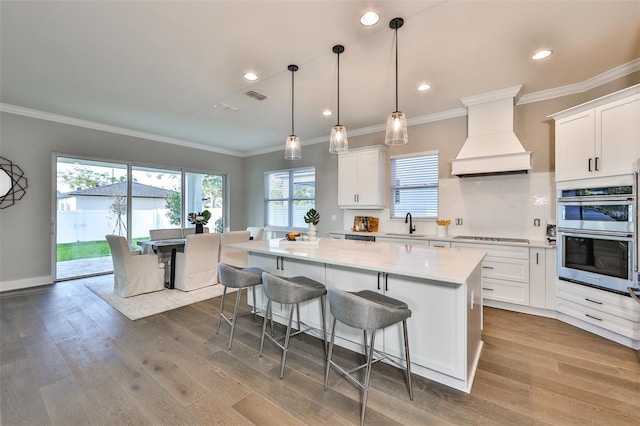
(491, 148)
(256, 95)
(225, 107)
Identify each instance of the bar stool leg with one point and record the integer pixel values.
(369, 355)
(224, 293)
(235, 316)
(407, 357)
(286, 343)
(255, 311)
(328, 364)
(264, 325)
(298, 318)
(324, 326)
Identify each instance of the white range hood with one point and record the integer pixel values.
(491, 148)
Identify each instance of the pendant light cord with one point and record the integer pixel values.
(292, 98)
(396, 69)
(338, 89)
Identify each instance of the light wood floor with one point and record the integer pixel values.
(68, 358)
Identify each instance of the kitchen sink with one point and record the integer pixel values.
(406, 234)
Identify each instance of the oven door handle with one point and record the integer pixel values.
(570, 231)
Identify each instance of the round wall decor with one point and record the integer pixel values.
(13, 184)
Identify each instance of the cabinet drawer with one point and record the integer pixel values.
(599, 318)
(506, 269)
(505, 291)
(514, 252)
(436, 243)
(599, 300)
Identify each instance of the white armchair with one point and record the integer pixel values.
(256, 232)
(134, 273)
(197, 267)
(232, 256)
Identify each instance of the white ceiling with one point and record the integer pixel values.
(159, 67)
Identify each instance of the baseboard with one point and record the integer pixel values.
(25, 283)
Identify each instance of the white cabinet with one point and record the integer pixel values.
(505, 272)
(310, 311)
(361, 178)
(613, 312)
(599, 138)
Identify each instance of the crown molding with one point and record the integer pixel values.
(591, 83)
(63, 119)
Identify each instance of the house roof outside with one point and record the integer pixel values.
(138, 190)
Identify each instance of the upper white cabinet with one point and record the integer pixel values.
(361, 178)
(599, 138)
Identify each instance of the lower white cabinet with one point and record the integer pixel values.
(310, 311)
(617, 313)
(505, 272)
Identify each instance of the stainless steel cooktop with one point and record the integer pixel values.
(496, 239)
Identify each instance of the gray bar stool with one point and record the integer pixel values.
(232, 277)
(369, 311)
(290, 291)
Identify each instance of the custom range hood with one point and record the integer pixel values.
(491, 148)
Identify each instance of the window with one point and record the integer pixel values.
(414, 185)
(289, 194)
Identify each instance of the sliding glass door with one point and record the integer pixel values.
(96, 198)
(90, 203)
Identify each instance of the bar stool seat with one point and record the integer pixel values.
(290, 291)
(238, 278)
(369, 311)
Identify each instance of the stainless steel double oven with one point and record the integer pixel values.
(597, 235)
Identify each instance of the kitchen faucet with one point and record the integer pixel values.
(409, 219)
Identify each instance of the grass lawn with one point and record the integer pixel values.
(85, 250)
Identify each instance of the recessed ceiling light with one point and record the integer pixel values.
(541, 54)
(250, 76)
(424, 87)
(327, 113)
(369, 18)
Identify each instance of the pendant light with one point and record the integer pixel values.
(338, 141)
(292, 150)
(397, 122)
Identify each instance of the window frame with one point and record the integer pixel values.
(393, 187)
(290, 199)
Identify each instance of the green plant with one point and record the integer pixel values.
(312, 217)
(200, 218)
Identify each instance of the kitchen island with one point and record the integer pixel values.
(442, 287)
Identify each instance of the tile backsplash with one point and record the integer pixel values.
(499, 206)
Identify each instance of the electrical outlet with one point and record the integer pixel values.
(458, 221)
(334, 217)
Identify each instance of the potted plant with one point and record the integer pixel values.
(312, 218)
(199, 220)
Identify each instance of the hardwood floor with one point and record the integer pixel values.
(68, 358)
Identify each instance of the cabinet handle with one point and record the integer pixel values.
(595, 318)
(487, 289)
(593, 301)
(590, 165)
(281, 263)
(386, 282)
(436, 245)
(354, 198)
(379, 273)
(277, 262)
(537, 258)
(487, 267)
(596, 163)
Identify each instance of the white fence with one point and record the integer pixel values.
(93, 225)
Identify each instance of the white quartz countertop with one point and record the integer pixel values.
(453, 265)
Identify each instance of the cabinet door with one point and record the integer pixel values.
(347, 179)
(537, 278)
(310, 311)
(436, 327)
(348, 279)
(369, 190)
(575, 146)
(618, 137)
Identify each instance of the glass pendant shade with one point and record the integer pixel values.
(292, 150)
(338, 142)
(396, 129)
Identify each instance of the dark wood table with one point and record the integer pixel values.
(173, 245)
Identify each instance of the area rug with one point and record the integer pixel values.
(144, 305)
